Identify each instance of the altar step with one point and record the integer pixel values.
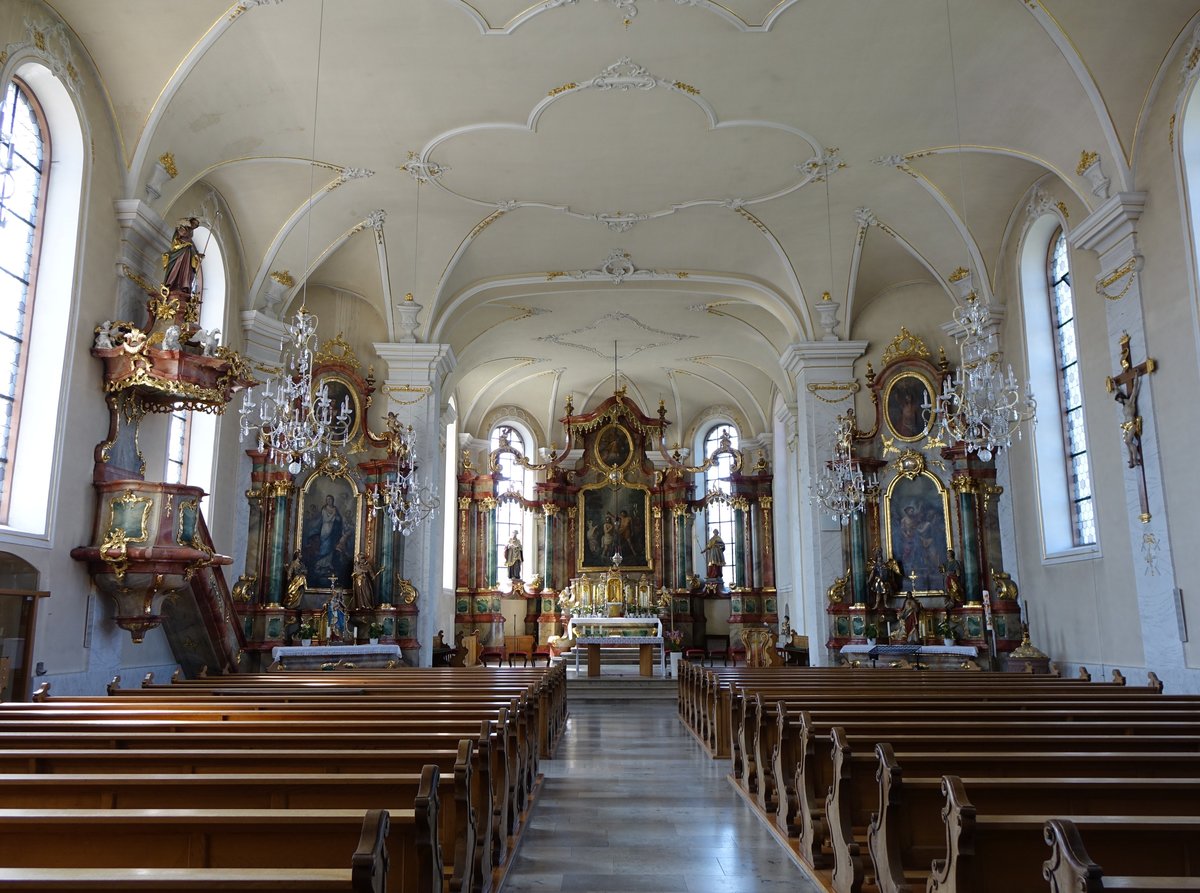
(620, 687)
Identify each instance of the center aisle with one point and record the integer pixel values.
(632, 803)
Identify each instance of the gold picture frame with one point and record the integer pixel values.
(903, 399)
(614, 519)
(613, 447)
(918, 530)
(340, 388)
(329, 541)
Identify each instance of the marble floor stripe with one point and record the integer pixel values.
(632, 804)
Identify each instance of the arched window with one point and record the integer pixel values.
(1070, 392)
(718, 515)
(38, 245)
(24, 166)
(511, 518)
(1068, 514)
(192, 436)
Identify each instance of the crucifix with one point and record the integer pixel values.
(1124, 386)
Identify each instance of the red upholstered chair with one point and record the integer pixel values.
(540, 654)
(522, 656)
(488, 653)
(734, 655)
(717, 646)
(694, 654)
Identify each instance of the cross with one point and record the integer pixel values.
(1124, 386)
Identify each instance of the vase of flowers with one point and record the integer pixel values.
(374, 631)
(673, 640)
(306, 632)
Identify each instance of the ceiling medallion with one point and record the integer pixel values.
(562, 339)
(628, 10)
(617, 268)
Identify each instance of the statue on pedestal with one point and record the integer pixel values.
(363, 583)
(953, 570)
(514, 554)
(297, 581)
(714, 555)
(910, 617)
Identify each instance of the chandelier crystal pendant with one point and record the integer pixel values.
(982, 406)
(841, 489)
(295, 423)
(407, 501)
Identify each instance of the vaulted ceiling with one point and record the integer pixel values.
(658, 173)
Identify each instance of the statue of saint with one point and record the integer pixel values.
(363, 583)
(182, 261)
(714, 554)
(514, 555)
(910, 617)
(297, 581)
(880, 583)
(953, 570)
(335, 616)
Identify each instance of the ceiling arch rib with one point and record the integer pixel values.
(739, 396)
(626, 8)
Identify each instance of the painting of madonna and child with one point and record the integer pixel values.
(916, 518)
(328, 530)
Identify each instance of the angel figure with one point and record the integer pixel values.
(170, 340)
(104, 335)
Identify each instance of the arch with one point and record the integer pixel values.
(1051, 460)
(54, 314)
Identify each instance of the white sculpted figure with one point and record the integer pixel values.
(208, 339)
(171, 338)
(104, 333)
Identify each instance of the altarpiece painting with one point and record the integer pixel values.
(328, 530)
(614, 519)
(918, 529)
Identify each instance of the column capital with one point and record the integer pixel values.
(263, 336)
(416, 364)
(809, 356)
(1110, 224)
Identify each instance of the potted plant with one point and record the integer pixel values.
(306, 632)
(948, 630)
(871, 631)
(374, 631)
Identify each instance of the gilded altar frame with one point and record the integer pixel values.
(325, 483)
(598, 500)
(922, 492)
(909, 389)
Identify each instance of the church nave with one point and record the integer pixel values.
(632, 803)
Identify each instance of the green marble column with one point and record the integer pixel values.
(858, 556)
(966, 488)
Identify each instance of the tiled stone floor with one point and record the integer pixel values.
(632, 803)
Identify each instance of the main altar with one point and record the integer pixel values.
(616, 534)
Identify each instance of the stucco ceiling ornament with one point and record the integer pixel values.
(628, 10)
(352, 173)
(628, 76)
(617, 268)
(376, 219)
(52, 44)
(1040, 202)
(604, 323)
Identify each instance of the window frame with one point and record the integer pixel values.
(35, 255)
(719, 513)
(503, 529)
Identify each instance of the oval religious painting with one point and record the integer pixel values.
(342, 396)
(613, 447)
(904, 404)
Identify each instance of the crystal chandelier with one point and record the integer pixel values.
(841, 489)
(982, 406)
(295, 422)
(407, 501)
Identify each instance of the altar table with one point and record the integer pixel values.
(615, 623)
(645, 652)
(313, 657)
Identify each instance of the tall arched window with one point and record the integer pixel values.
(38, 246)
(24, 165)
(1070, 392)
(511, 518)
(1068, 514)
(718, 514)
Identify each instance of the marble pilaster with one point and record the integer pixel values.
(820, 557)
(425, 366)
(1111, 232)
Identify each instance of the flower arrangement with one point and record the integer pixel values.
(673, 639)
(375, 630)
(307, 630)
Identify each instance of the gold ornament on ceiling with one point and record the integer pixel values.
(337, 350)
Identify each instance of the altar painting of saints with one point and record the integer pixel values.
(918, 530)
(613, 446)
(614, 521)
(904, 401)
(328, 531)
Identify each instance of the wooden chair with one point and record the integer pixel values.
(717, 646)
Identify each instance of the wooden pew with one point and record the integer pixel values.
(185, 880)
(994, 852)
(223, 838)
(905, 831)
(1070, 867)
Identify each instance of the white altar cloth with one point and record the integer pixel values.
(614, 622)
(583, 641)
(313, 655)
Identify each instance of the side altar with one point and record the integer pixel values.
(923, 564)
